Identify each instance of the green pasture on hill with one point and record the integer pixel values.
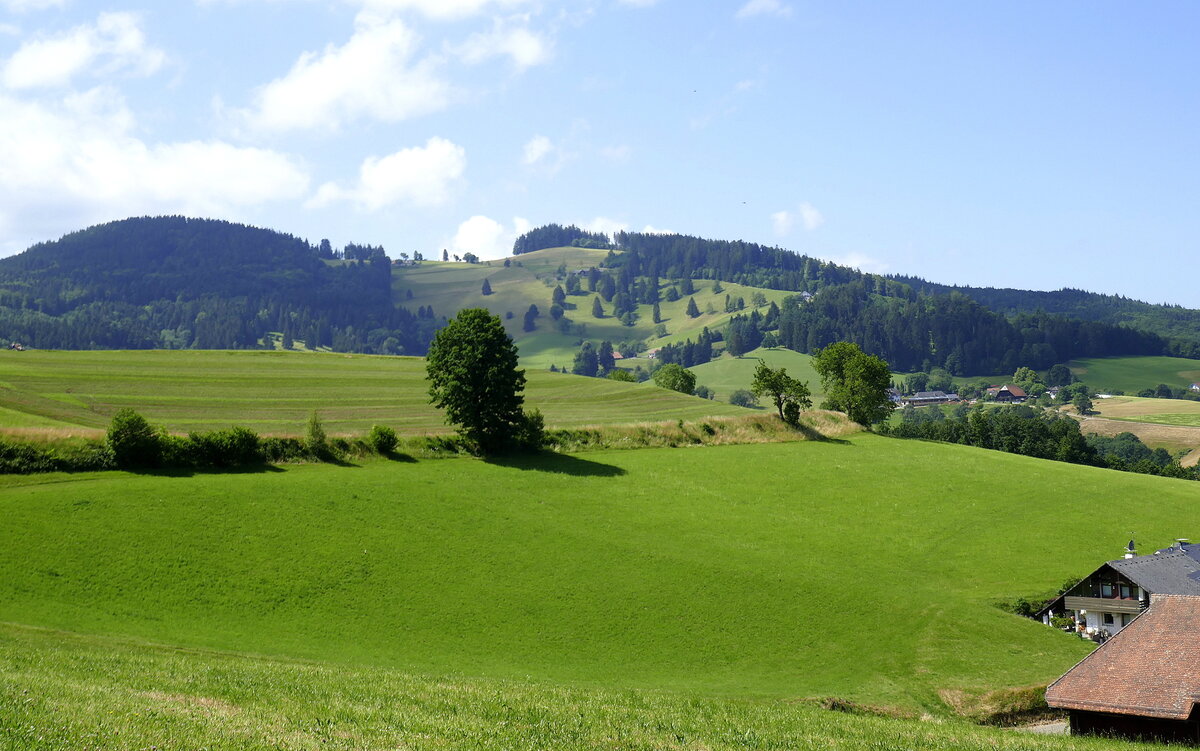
(728, 374)
(63, 692)
(1132, 374)
(449, 287)
(865, 568)
(274, 392)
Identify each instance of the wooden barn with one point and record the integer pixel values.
(1144, 682)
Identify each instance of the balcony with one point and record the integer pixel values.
(1104, 604)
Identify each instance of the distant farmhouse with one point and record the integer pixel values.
(1142, 683)
(1108, 599)
(1007, 393)
(923, 398)
(1194, 387)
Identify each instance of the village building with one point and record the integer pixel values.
(1007, 393)
(923, 398)
(1108, 599)
(1142, 683)
(1194, 387)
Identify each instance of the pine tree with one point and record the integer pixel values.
(657, 314)
(558, 297)
(487, 287)
(597, 308)
(692, 310)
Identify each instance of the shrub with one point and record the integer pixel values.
(134, 443)
(276, 450)
(315, 440)
(24, 458)
(224, 448)
(743, 398)
(382, 439)
(531, 431)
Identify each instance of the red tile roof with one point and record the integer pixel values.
(1151, 668)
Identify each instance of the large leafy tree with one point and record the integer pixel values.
(473, 375)
(790, 395)
(855, 383)
(676, 378)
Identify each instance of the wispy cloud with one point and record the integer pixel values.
(417, 176)
(114, 44)
(764, 8)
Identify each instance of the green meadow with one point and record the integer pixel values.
(866, 569)
(1132, 374)
(728, 374)
(62, 692)
(449, 287)
(59, 392)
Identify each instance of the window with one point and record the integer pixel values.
(1108, 619)
(1106, 589)
(1126, 591)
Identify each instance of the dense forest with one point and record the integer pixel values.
(1173, 322)
(174, 282)
(910, 327)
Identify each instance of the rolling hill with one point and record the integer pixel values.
(55, 392)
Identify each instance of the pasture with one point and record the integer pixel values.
(61, 393)
(865, 568)
(1132, 374)
(727, 374)
(62, 692)
(530, 279)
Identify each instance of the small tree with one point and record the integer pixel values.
(473, 375)
(315, 439)
(676, 378)
(1082, 404)
(704, 392)
(586, 361)
(382, 439)
(855, 383)
(487, 287)
(133, 442)
(530, 318)
(693, 310)
(597, 307)
(789, 395)
(616, 374)
(558, 297)
(743, 398)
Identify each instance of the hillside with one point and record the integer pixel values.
(60, 688)
(865, 568)
(727, 374)
(174, 282)
(531, 278)
(1169, 321)
(274, 393)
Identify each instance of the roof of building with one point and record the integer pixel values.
(1150, 668)
(1015, 390)
(929, 395)
(1171, 571)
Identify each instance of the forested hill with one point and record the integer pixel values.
(909, 327)
(1171, 321)
(173, 282)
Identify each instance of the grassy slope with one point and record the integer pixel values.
(727, 374)
(274, 392)
(64, 692)
(449, 287)
(1132, 374)
(865, 569)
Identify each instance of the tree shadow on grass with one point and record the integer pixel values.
(250, 469)
(398, 456)
(561, 464)
(812, 434)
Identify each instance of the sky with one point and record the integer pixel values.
(1023, 144)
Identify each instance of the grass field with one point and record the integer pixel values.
(865, 569)
(727, 374)
(1132, 374)
(449, 287)
(62, 692)
(56, 392)
(1180, 412)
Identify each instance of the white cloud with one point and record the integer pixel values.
(764, 8)
(810, 217)
(74, 162)
(524, 47)
(487, 238)
(652, 230)
(417, 176)
(537, 149)
(639, 3)
(441, 10)
(860, 261)
(114, 44)
(373, 76)
(605, 225)
(21, 6)
(783, 222)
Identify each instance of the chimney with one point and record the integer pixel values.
(1130, 550)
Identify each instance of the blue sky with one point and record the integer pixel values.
(1036, 145)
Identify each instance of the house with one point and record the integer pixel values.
(1108, 599)
(1007, 393)
(1194, 387)
(894, 395)
(1142, 683)
(922, 398)
(617, 355)
(652, 353)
